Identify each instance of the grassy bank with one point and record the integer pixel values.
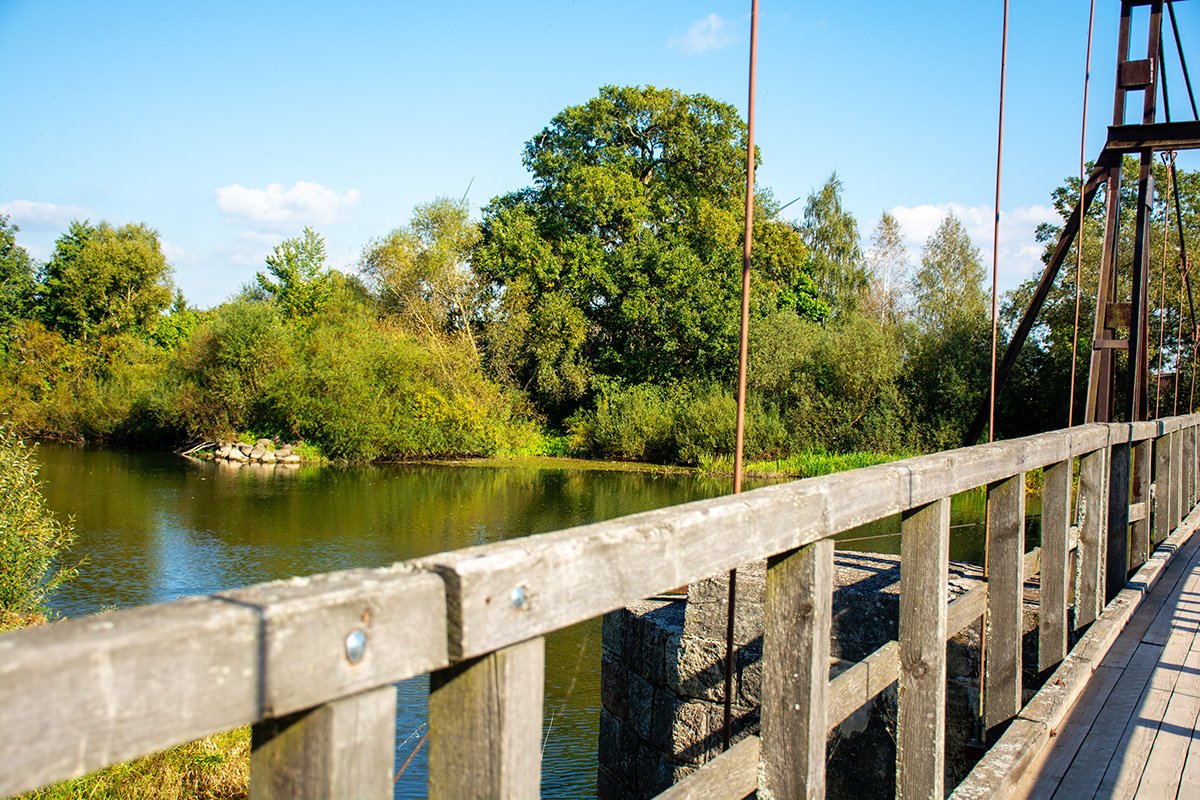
(213, 768)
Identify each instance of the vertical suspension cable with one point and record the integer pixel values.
(1178, 346)
(1162, 300)
(996, 227)
(987, 527)
(1087, 74)
(743, 354)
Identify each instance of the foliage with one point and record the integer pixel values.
(621, 263)
(887, 269)
(836, 259)
(948, 288)
(103, 280)
(32, 540)
(680, 424)
(296, 277)
(949, 362)
(17, 282)
(422, 274)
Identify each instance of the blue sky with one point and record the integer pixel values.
(230, 126)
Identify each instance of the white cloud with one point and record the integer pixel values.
(1020, 254)
(35, 215)
(306, 202)
(704, 35)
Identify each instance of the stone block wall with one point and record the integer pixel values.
(662, 680)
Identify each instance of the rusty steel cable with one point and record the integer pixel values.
(1178, 348)
(1162, 302)
(987, 528)
(1087, 74)
(743, 355)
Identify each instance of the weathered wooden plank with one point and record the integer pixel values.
(86, 693)
(1055, 565)
(394, 617)
(921, 722)
(1046, 770)
(966, 610)
(341, 749)
(996, 777)
(862, 683)
(1162, 484)
(732, 774)
(797, 618)
(1117, 551)
(1092, 505)
(1087, 770)
(485, 725)
(1177, 512)
(1124, 771)
(1006, 546)
(1188, 467)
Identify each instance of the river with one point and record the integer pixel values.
(154, 527)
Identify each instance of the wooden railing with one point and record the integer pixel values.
(311, 662)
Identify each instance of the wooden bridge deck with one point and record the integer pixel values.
(1134, 731)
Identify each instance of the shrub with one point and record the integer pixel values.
(32, 539)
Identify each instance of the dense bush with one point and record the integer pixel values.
(680, 424)
(32, 540)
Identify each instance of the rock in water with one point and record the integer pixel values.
(236, 454)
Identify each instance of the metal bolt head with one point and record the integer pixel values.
(356, 645)
(520, 598)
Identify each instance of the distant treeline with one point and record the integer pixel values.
(594, 312)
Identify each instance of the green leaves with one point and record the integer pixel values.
(297, 277)
(105, 280)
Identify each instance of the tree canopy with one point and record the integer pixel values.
(621, 261)
(105, 280)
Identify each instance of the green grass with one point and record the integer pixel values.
(801, 465)
(213, 768)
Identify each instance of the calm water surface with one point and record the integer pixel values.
(155, 527)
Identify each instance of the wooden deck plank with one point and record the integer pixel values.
(1105, 742)
(1043, 778)
(1124, 771)
(1087, 770)
(1165, 765)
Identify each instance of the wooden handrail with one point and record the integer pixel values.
(299, 658)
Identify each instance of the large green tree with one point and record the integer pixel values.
(103, 280)
(621, 261)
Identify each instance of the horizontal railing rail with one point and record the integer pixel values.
(311, 662)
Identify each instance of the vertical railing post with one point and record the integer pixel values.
(1162, 488)
(1117, 567)
(1055, 566)
(797, 618)
(1139, 536)
(1176, 478)
(1189, 470)
(345, 748)
(921, 723)
(485, 725)
(1006, 551)
(1093, 472)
